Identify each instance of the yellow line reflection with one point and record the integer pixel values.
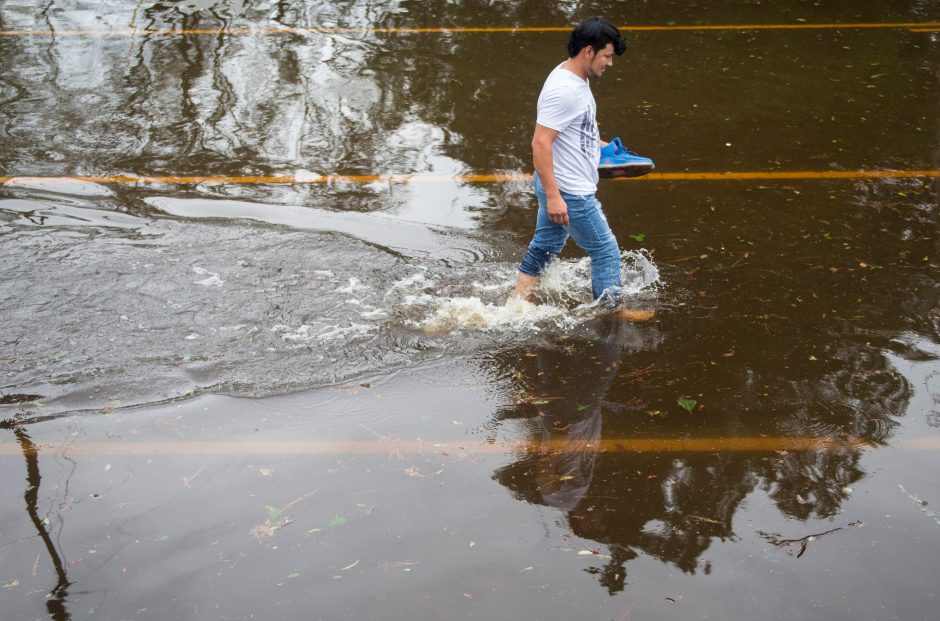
(481, 178)
(393, 446)
(127, 32)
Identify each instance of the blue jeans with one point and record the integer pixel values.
(588, 226)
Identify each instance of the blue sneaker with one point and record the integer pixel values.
(616, 161)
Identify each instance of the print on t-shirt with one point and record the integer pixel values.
(588, 130)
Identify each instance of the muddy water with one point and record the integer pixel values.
(232, 399)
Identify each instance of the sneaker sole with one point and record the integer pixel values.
(624, 170)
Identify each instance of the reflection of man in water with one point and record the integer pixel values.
(569, 387)
(571, 423)
(566, 150)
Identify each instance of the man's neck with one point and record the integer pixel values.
(575, 67)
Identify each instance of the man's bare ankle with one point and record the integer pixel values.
(525, 287)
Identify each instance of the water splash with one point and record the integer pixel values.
(563, 298)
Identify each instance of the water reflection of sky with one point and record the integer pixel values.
(289, 104)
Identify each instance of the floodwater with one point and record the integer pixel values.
(286, 386)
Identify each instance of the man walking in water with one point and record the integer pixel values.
(566, 150)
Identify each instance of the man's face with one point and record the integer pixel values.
(601, 59)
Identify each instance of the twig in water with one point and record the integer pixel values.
(803, 541)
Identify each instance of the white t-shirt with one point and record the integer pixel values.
(567, 106)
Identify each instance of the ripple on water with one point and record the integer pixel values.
(211, 300)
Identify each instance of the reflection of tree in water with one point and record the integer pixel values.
(672, 505)
(58, 595)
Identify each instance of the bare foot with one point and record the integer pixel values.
(525, 285)
(635, 315)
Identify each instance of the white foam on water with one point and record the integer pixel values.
(306, 332)
(419, 300)
(375, 313)
(572, 279)
(418, 281)
(356, 329)
(213, 279)
(354, 285)
(474, 314)
(563, 294)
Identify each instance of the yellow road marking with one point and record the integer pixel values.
(387, 446)
(126, 32)
(487, 178)
(794, 174)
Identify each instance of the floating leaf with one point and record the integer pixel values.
(350, 566)
(293, 574)
(273, 512)
(638, 237)
(337, 521)
(687, 404)
(581, 408)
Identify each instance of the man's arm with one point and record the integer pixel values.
(545, 166)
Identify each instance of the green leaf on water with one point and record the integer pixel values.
(293, 574)
(273, 512)
(337, 521)
(687, 404)
(581, 408)
(638, 237)
(540, 402)
(351, 565)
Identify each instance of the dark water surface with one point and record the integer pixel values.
(225, 399)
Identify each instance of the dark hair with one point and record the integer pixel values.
(597, 33)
